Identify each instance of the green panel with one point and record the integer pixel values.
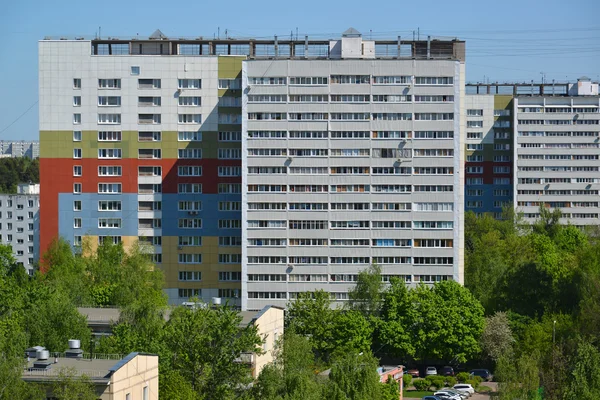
(230, 67)
(502, 101)
(487, 152)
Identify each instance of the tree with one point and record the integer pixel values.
(204, 344)
(352, 332)
(311, 315)
(397, 315)
(355, 375)
(497, 338)
(366, 296)
(585, 377)
(70, 386)
(518, 378)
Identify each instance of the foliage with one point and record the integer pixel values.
(518, 378)
(450, 381)
(421, 384)
(70, 386)
(497, 338)
(356, 376)
(390, 390)
(353, 332)
(462, 377)
(407, 380)
(366, 295)
(585, 377)
(436, 381)
(15, 170)
(204, 343)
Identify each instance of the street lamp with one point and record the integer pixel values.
(554, 332)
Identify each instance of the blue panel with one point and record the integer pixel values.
(488, 197)
(89, 215)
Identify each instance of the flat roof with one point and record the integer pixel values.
(96, 370)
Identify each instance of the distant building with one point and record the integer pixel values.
(135, 377)
(21, 148)
(19, 223)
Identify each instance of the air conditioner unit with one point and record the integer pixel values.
(179, 247)
(290, 158)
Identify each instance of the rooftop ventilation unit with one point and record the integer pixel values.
(74, 349)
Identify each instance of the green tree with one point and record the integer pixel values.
(311, 315)
(390, 390)
(367, 295)
(585, 377)
(397, 315)
(518, 378)
(70, 386)
(204, 344)
(352, 332)
(497, 338)
(356, 376)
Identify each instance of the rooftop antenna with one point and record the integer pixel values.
(218, 32)
(370, 34)
(543, 76)
(99, 32)
(226, 37)
(296, 33)
(418, 33)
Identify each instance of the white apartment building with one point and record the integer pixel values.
(19, 224)
(350, 159)
(557, 153)
(20, 148)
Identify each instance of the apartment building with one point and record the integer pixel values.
(140, 141)
(20, 148)
(489, 153)
(19, 224)
(557, 153)
(353, 153)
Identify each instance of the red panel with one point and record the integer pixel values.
(488, 171)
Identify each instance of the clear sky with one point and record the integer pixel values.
(508, 40)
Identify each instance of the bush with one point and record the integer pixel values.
(450, 381)
(436, 381)
(421, 384)
(406, 380)
(462, 377)
(474, 383)
(478, 379)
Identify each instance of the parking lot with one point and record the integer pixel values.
(476, 396)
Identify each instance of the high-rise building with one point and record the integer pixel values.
(353, 153)
(19, 224)
(140, 140)
(20, 148)
(557, 153)
(534, 145)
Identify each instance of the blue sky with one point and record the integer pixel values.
(507, 40)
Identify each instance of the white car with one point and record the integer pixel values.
(464, 388)
(463, 395)
(444, 394)
(430, 371)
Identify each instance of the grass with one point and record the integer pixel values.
(417, 394)
(483, 389)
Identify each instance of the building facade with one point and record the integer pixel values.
(19, 224)
(349, 159)
(489, 153)
(557, 153)
(21, 148)
(140, 140)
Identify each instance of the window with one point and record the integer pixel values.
(350, 79)
(189, 223)
(474, 113)
(109, 222)
(190, 241)
(233, 171)
(76, 101)
(189, 101)
(76, 222)
(109, 170)
(189, 153)
(188, 293)
(426, 80)
(77, 170)
(474, 135)
(149, 171)
(189, 188)
(190, 275)
(189, 206)
(310, 80)
(144, 136)
(109, 153)
(77, 188)
(135, 70)
(77, 83)
(229, 154)
(233, 84)
(76, 153)
(109, 205)
(189, 136)
(109, 136)
(230, 276)
(267, 81)
(189, 84)
(149, 154)
(391, 80)
(109, 119)
(474, 124)
(77, 136)
(189, 118)
(109, 188)
(149, 83)
(77, 119)
(109, 101)
(303, 98)
(434, 116)
(153, 119)
(77, 205)
(189, 170)
(230, 258)
(389, 98)
(109, 83)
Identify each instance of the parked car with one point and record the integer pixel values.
(464, 387)
(432, 398)
(484, 374)
(430, 371)
(463, 395)
(447, 371)
(414, 372)
(448, 395)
